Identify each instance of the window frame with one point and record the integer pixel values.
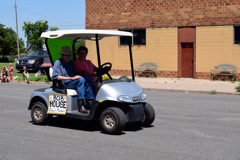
(123, 40)
(236, 33)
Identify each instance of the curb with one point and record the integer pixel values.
(190, 91)
(156, 89)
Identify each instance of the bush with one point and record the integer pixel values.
(9, 58)
(4, 59)
(238, 88)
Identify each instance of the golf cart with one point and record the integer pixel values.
(117, 101)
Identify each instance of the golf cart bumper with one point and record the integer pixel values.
(135, 113)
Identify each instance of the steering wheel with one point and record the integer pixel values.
(104, 69)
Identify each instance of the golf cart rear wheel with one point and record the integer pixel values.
(149, 115)
(113, 120)
(39, 113)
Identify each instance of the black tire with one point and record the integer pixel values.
(37, 66)
(39, 113)
(149, 115)
(113, 120)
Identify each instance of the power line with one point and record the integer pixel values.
(47, 16)
(7, 12)
(6, 6)
(63, 25)
(29, 11)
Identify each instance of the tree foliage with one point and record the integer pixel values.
(54, 28)
(8, 42)
(33, 32)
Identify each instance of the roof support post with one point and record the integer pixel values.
(98, 54)
(131, 58)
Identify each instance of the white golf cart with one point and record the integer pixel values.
(117, 101)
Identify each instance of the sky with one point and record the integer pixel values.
(64, 14)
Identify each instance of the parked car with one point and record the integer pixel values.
(32, 61)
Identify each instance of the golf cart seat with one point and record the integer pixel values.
(56, 87)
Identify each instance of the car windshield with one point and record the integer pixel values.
(37, 53)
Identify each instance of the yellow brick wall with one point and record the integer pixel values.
(161, 48)
(214, 46)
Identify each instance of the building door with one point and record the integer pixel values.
(187, 60)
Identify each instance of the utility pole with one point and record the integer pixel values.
(17, 29)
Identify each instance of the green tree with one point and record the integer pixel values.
(33, 32)
(8, 42)
(54, 28)
(79, 43)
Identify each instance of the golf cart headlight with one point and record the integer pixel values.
(143, 96)
(124, 98)
(31, 61)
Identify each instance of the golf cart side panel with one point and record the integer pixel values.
(44, 95)
(38, 95)
(111, 91)
(71, 99)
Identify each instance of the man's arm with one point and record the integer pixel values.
(68, 78)
(57, 72)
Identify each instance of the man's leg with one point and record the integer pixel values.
(89, 94)
(78, 85)
(90, 82)
(89, 88)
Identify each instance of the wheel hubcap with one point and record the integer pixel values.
(37, 113)
(109, 121)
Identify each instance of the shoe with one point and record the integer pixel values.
(89, 104)
(81, 107)
(82, 110)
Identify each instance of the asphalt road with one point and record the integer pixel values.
(187, 127)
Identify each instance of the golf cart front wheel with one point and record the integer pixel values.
(113, 120)
(149, 115)
(39, 113)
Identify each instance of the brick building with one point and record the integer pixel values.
(185, 38)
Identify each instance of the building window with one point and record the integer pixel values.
(139, 37)
(236, 34)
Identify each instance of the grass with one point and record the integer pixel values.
(19, 76)
(212, 92)
(237, 88)
(41, 78)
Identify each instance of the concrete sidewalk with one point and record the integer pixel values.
(183, 85)
(188, 85)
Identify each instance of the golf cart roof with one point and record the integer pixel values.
(84, 34)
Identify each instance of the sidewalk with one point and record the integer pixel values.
(184, 85)
(187, 85)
